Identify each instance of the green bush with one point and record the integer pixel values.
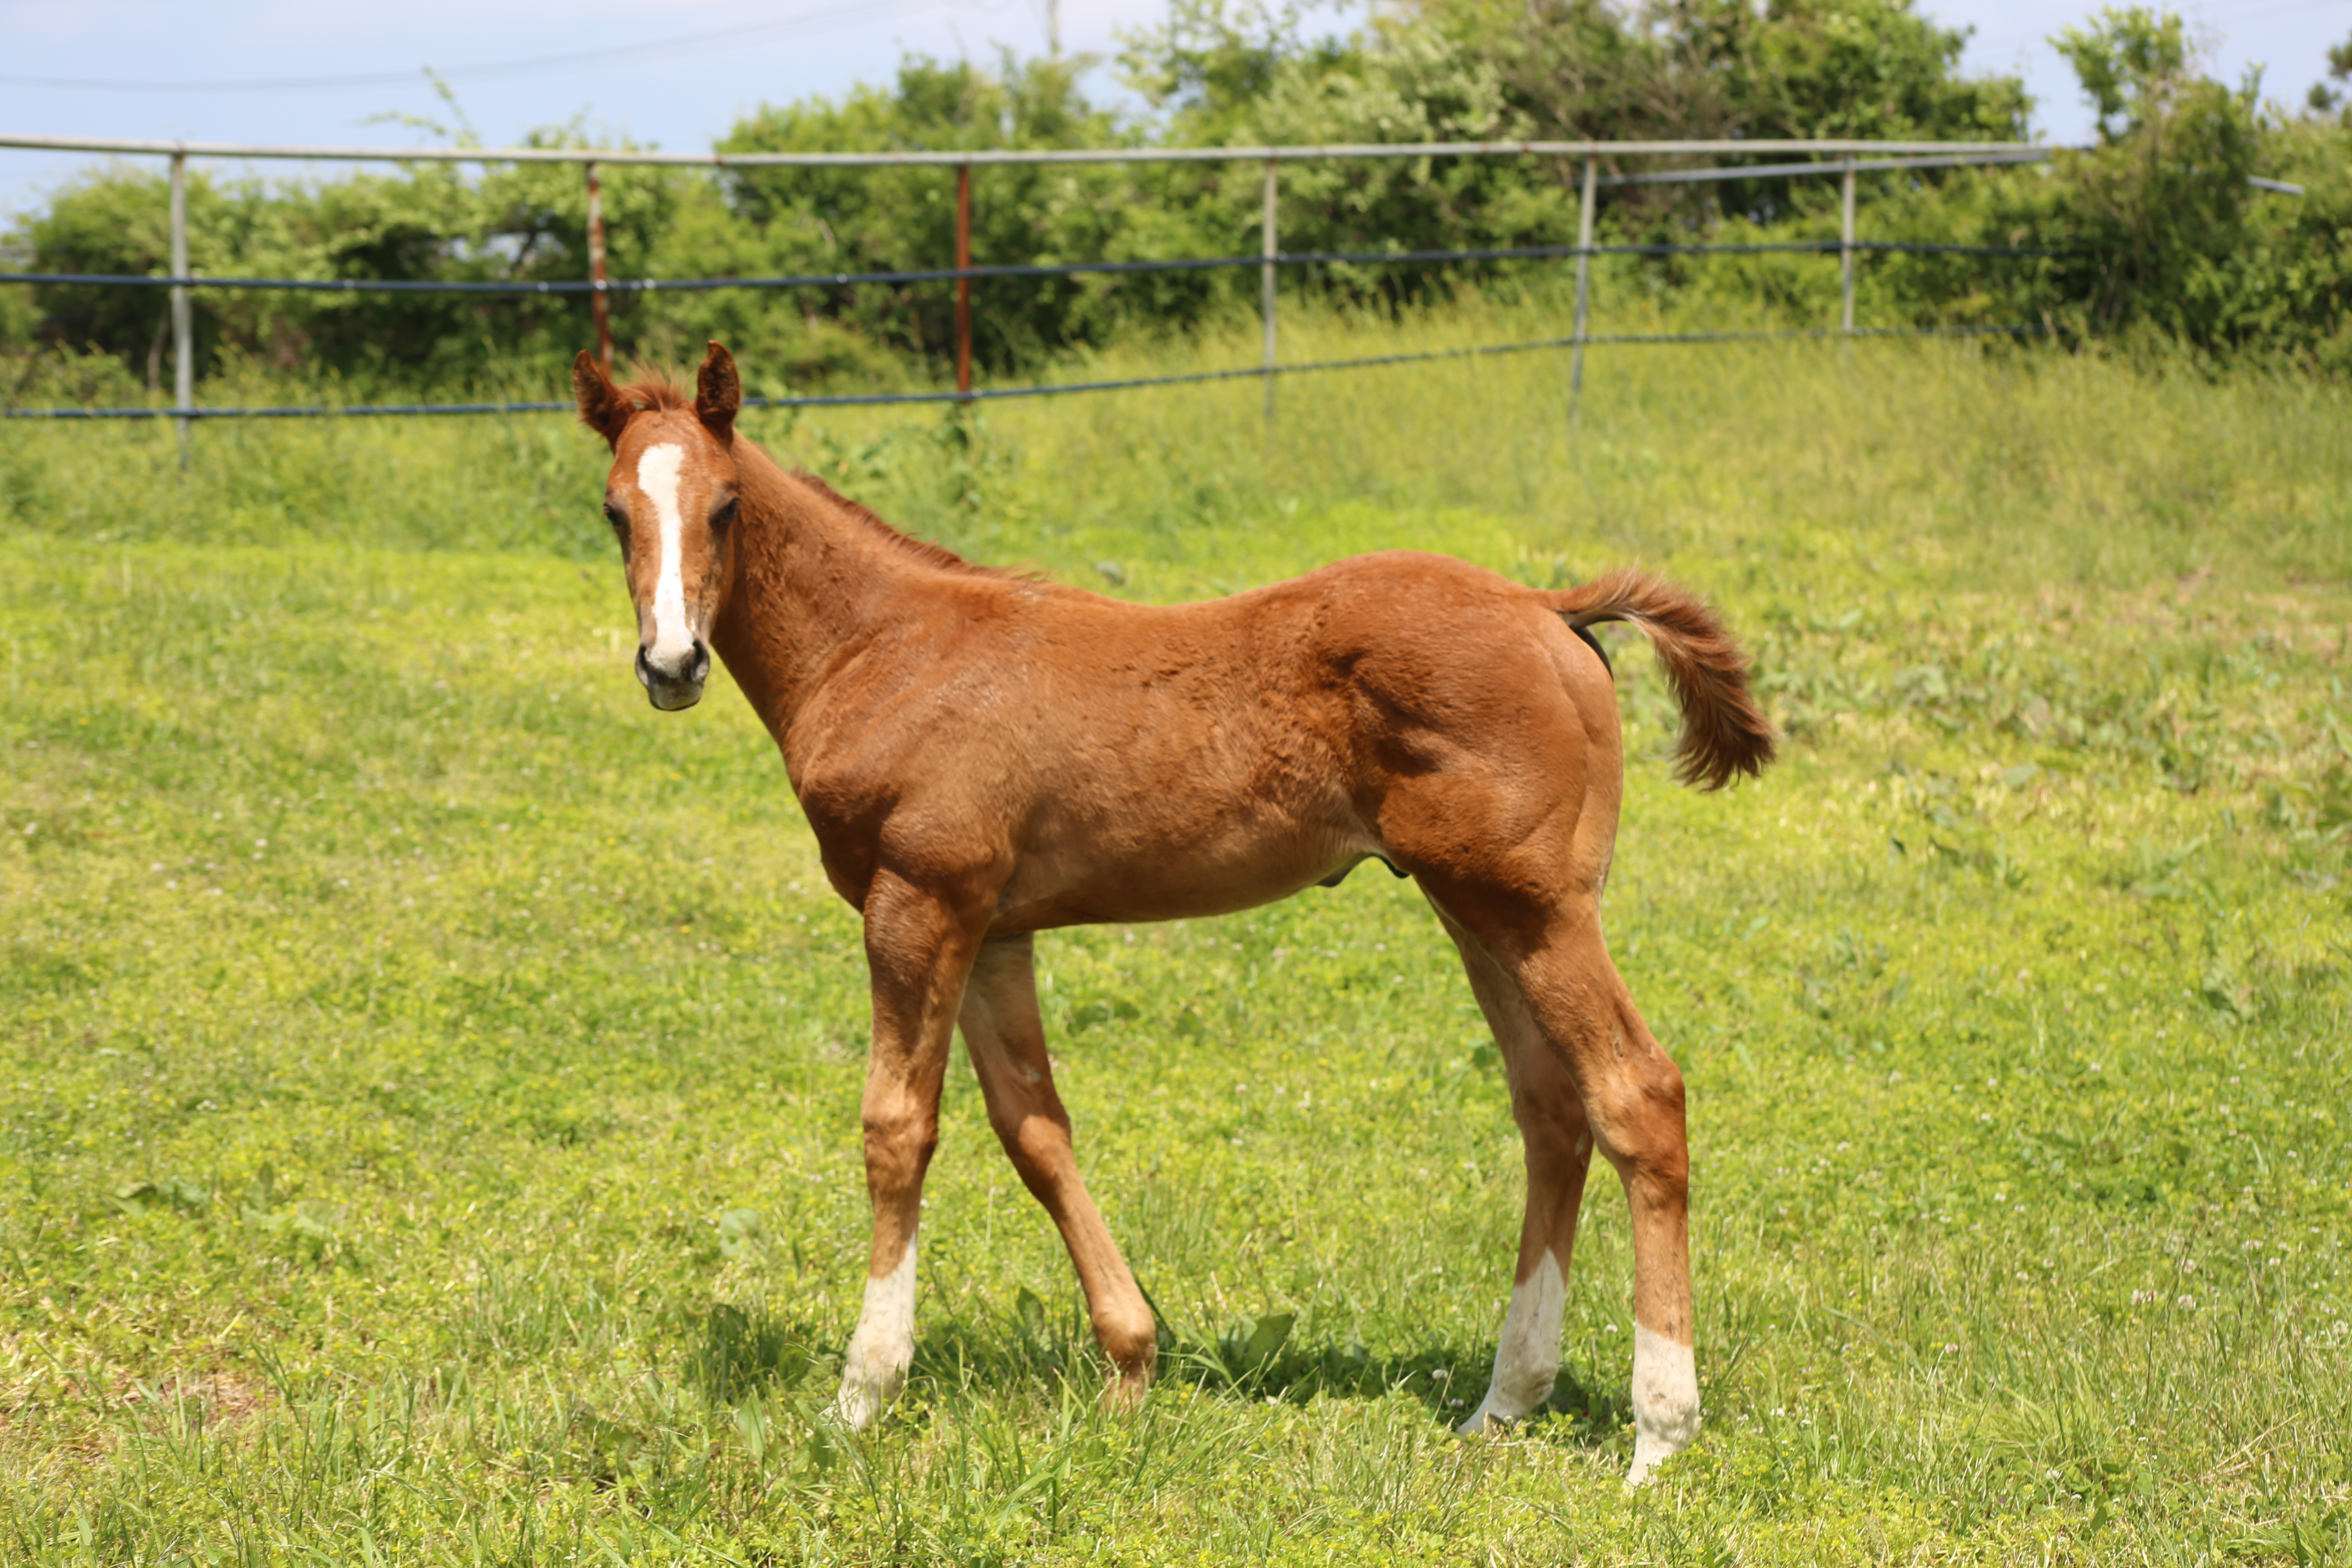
(2154, 231)
(2162, 230)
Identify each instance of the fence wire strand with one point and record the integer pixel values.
(1008, 270)
(1054, 389)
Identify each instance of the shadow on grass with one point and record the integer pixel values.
(1262, 1358)
(737, 1354)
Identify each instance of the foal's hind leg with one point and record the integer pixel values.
(1558, 1148)
(1633, 1098)
(1007, 1041)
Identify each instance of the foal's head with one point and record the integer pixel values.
(671, 499)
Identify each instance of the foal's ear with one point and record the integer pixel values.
(718, 393)
(601, 407)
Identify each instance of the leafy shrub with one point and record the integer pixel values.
(2154, 232)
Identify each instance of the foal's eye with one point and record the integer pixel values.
(616, 516)
(725, 515)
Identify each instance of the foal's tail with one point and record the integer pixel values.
(1724, 734)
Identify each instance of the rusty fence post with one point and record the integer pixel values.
(963, 283)
(599, 303)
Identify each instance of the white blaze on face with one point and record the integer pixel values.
(1527, 1360)
(1666, 1400)
(672, 652)
(881, 1349)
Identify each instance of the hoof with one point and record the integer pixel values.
(874, 1369)
(867, 1387)
(858, 1404)
(1666, 1402)
(1124, 1393)
(1486, 1419)
(1648, 1454)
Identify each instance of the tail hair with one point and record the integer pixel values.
(1723, 733)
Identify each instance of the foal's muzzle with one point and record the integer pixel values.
(672, 692)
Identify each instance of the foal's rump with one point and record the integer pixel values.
(1486, 738)
(1450, 638)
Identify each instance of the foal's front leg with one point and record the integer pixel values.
(1007, 1041)
(920, 952)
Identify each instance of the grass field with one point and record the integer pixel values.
(428, 1078)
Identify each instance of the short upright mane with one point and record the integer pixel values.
(921, 549)
(654, 389)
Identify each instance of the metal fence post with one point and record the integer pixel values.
(963, 284)
(184, 330)
(599, 303)
(1845, 249)
(1583, 286)
(1269, 247)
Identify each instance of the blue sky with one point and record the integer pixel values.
(684, 96)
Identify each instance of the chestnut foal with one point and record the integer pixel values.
(983, 756)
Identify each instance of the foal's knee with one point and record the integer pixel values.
(899, 1141)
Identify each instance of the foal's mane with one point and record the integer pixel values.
(655, 389)
(922, 550)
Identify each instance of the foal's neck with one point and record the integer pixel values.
(815, 576)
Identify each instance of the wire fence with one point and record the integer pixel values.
(1039, 269)
(1842, 158)
(1058, 389)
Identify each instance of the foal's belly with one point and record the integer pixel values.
(1095, 883)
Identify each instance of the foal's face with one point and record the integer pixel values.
(671, 500)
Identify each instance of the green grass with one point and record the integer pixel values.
(428, 1077)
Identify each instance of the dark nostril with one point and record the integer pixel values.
(697, 668)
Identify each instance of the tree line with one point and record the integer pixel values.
(2155, 230)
